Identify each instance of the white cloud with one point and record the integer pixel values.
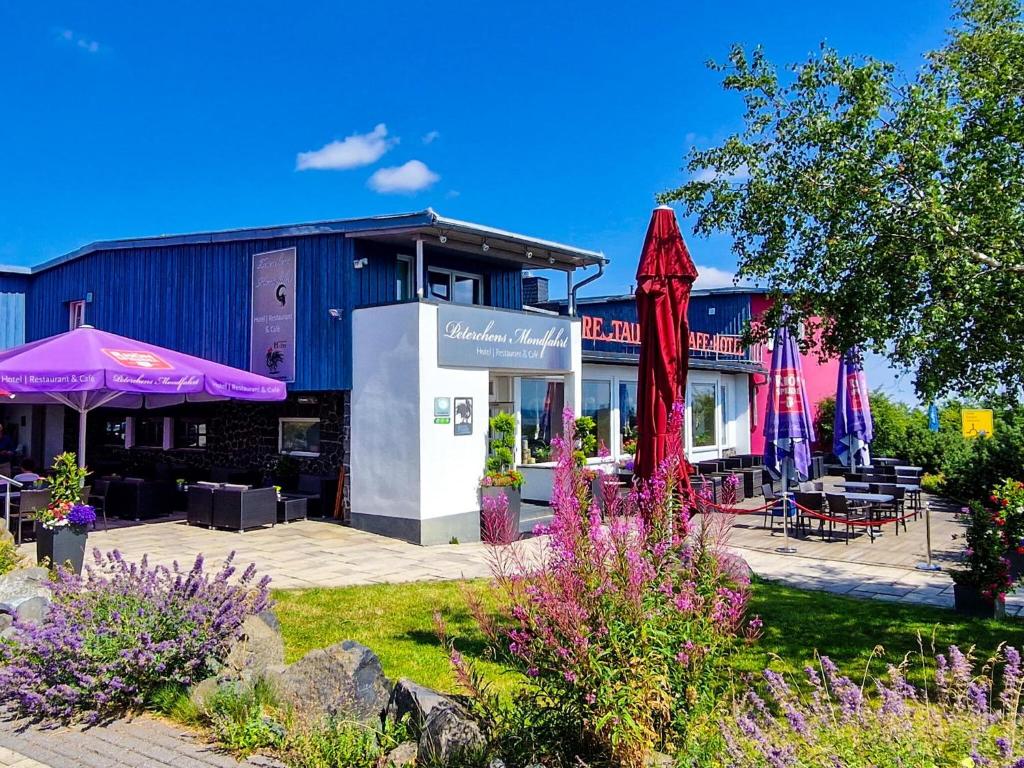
(70, 37)
(710, 174)
(713, 277)
(410, 177)
(352, 152)
(431, 136)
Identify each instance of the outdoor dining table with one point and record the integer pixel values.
(913, 490)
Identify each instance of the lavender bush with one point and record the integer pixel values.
(959, 721)
(122, 630)
(619, 629)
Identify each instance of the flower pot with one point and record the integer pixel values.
(62, 545)
(514, 501)
(969, 601)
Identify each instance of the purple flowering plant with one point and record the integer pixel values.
(496, 524)
(964, 717)
(618, 630)
(121, 630)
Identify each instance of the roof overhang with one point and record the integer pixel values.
(458, 235)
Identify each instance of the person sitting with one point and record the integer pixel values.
(28, 474)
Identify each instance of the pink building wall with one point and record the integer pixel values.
(819, 377)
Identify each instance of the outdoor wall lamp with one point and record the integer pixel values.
(485, 247)
(442, 239)
(334, 313)
(360, 263)
(529, 254)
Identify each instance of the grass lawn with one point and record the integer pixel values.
(396, 621)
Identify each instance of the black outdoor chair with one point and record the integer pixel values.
(97, 499)
(199, 504)
(814, 500)
(775, 510)
(240, 508)
(29, 502)
(841, 507)
(896, 506)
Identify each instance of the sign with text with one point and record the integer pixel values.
(787, 391)
(976, 422)
(478, 337)
(272, 341)
(627, 333)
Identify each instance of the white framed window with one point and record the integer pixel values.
(454, 287)
(298, 436)
(190, 433)
(76, 314)
(703, 415)
(404, 278)
(149, 432)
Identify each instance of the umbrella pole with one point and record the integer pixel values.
(83, 415)
(785, 549)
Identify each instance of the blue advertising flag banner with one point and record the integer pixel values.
(479, 337)
(853, 426)
(272, 341)
(933, 417)
(788, 431)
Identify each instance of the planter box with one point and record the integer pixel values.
(970, 602)
(515, 503)
(60, 546)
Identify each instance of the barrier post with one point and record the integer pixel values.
(928, 565)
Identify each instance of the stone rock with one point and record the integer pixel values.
(658, 760)
(21, 585)
(416, 701)
(5, 621)
(258, 650)
(200, 693)
(344, 680)
(496, 762)
(34, 609)
(403, 755)
(449, 736)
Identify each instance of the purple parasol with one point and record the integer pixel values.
(854, 428)
(86, 368)
(788, 432)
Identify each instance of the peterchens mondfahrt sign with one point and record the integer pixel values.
(272, 341)
(475, 337)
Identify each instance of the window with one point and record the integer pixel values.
(114, 431)
(404, 279)
(300, 437)
(597, 404)
(76, 314)
(723, 398)
(149, 432)
(540, 412)
(702, 415)
(627, 416)
(456, 287)
(190, 433)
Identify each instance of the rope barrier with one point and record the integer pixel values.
(809, 512)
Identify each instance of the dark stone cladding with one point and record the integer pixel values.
(240, 436)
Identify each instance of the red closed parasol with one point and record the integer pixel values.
(664, 278)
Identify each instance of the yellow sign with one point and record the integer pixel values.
(976, 422)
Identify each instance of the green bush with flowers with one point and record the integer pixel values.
(66, 507)
(985, 566)
(1008, 500)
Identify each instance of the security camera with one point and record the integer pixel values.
(443, 239)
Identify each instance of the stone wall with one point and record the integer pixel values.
(240, 435)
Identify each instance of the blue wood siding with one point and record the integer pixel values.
(197, 297)
(12, 319)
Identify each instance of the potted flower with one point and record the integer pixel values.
(63, 524)
(980, 586)
(1008, 500)
(501, 478)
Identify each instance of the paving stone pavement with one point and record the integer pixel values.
(144, 742)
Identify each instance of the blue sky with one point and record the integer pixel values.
(561, 120)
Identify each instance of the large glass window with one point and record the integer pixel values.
(439, 285)
(597, 404)
(149, 432)
(190, 433)
(627, 416)
(702, 415)
(540, 413)
(456, 287)
(114, 431)
(299, 436)
(403, 278)
(466, 289)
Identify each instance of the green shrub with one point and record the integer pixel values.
(9, 557)
(245, 717)
(172, 700)
(933, 483)
(503, 426)
(341, 743)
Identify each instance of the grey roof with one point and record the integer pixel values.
(427, 222)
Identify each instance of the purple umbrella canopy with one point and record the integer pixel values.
(87, 368)
(788, 431)
(854, 429)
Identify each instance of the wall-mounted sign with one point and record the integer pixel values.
(463, 415)
(976, 422)
(477, 337)
(442, 410)
(272, 341)
(627, 333)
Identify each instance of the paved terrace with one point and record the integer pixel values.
(322, 553)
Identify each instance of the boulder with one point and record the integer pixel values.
(21, 585)
(200, 693)
(416, 701)
(34, 609)
(450, 736)
(258, 650)
(5, 621)
(344, 681)
(403, 755)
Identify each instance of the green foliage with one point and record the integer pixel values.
(984, 462)
(172, 700)
(244, 717)
(883, 208)
(9, 557)
(503, 427)
(66, 479)
(984, 565)
(341, 743)
(586, 437)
